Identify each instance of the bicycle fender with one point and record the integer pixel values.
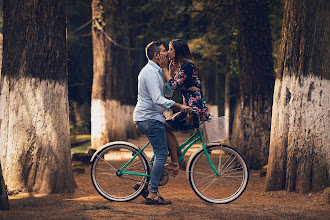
(190, 159)
(120, 142)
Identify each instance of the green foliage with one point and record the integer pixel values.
(275, 20)
(82, 143)
(157, 19)
(215, 41)
(94, 206)
(80, 61)
(208, 26)
(80, 57)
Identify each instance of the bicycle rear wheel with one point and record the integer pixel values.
(231, 181)
(115, 186)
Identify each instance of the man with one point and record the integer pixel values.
(148, 112)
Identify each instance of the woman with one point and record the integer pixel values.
(183, 75)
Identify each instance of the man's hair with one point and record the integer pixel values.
(153, 47)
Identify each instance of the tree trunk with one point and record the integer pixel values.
(34, 135)
(211, 89)
(227, 98)
(99, 131)
(253, 114)
(4, 204)
(300, 136)
(120, 94)
(113, 92)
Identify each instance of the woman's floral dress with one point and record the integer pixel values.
(188, 77)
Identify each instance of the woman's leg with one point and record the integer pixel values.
(172, 144)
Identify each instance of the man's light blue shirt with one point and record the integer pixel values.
(152, 88)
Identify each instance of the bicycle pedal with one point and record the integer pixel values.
(144, 191)
(164, 179)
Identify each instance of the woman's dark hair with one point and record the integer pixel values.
(182, 52)
(153, 47)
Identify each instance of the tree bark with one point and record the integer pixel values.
(4, 204)
(227, 98)
(211, 89)
(121, 97)
(34, 135)
(99, 130)
(251, 128)
(300, 135)
(113, 94)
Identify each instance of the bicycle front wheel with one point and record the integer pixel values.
(110, 183)
(231, 181)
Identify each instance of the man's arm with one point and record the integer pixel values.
(153, 84)
(168, 91)
(154, 88)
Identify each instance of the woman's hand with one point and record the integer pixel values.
(163, 61)
(173, 67)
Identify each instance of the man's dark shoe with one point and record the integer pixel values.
(144, 191)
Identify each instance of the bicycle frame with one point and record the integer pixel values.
(195, 138)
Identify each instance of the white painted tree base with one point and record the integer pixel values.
(35, 135)
(300, 134)
(111, 121)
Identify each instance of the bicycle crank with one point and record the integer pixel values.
(164, 179)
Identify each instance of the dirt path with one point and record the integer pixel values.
(253, 204)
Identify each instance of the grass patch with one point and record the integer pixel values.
(83, 136)
(94, 207)
(83, 147)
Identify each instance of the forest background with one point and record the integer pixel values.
(263, 64)
(209, 27)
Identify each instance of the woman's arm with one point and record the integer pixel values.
(167, 74)
(171, 72)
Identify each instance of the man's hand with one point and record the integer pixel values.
(186, 109)
(183, 108)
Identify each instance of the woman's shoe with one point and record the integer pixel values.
(183, 165)
(172, 169)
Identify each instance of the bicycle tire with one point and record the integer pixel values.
(105, 177)
(223, 188)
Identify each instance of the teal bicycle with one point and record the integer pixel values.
(217, 173)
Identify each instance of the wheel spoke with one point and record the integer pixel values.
(106, 162)
(222, 188)
(204, 178)
(233, 158)
(231, 168)
(118, 186)
(209, 184)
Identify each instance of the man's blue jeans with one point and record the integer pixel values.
(155, 131)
